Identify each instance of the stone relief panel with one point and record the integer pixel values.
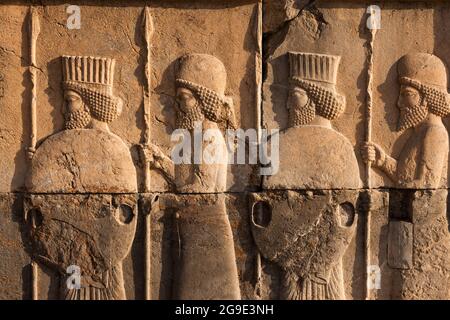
(187, 237)
(423, 102)
(93, 233)
(235, 50)
(397, 101)
(89, 233)
(95, 182)
(307, 235)
(316, 29)
(312, 104)
(203, 106)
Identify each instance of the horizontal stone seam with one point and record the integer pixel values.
(225, 192)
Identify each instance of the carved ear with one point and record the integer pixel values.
(119, 105)
(228, 112)
(342, 99)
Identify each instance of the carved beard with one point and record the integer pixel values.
(187, 119)
(302, 116)
(412, 116)
(78, 120)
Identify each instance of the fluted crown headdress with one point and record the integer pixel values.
(89, 70)
(92, 78)
(314, 67)
(317, 74)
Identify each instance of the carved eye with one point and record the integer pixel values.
(184, 95)
(180, 97)
(72, 98)
(35, 217)
(262, 214)
(408, 93)
(346, 214)
(125, 214)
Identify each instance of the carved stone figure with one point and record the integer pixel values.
(82, 186)
(422, 164)
(308, 234)
(207, 267)
(310, 146)
(88, 84)
(423, 101)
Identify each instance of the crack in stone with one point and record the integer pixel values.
(12, 52)
(130, 42)
(273, 39)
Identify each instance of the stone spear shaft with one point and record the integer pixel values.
(258, 80)
(148, 35)
(368, 138)
(34, 30)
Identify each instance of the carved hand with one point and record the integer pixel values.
(156, 158)
(154, 155)
(373, 153)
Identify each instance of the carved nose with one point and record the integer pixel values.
(262, 214)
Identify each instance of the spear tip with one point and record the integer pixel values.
(148, 24)
(35, 27)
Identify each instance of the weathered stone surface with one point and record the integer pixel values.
(279, 12)
(307, 235)
(222, 245)
(207, 260)
(73, 161)
(400, 244)
(428, 276)
(14, 264)
(90, 131)
(316, 164)
(92, 232)
(13, 127)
